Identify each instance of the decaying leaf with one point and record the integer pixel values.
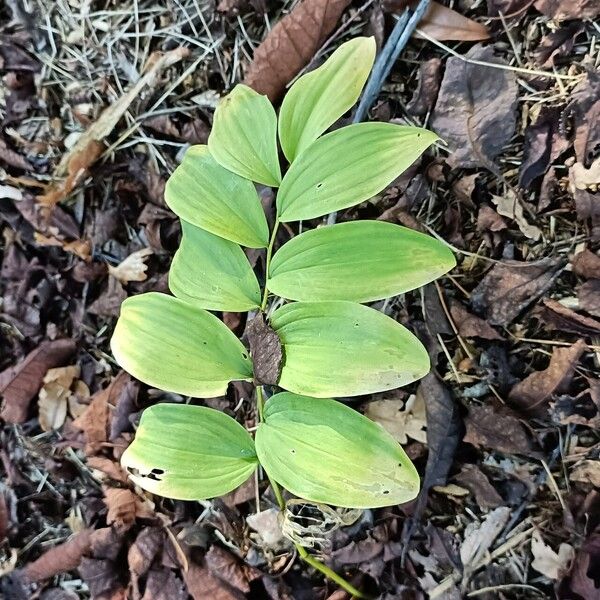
(546, 561)
(587, 471)
(399, 420)
(291, 45)
(266, 351)
(537, 389)
(510, 287)
(475, 109)
(88, 148)
(266, 524)
(19, 384)
(124, 506)
(510, 206)
(478, 484)
(586, 264)
(423, 98)
(54, 396)
(61, 558)
(132, 268)
(572, 9)
(498, 429)
(561, 318)
(471, 326)
(589, 296)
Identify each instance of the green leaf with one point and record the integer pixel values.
(360, 261)
(189, 452)
(324, 451)
(348, 166)
(244, 136)
(345, 349)
(213, 273)
(319, 98)
(172, 345)
(209, 196)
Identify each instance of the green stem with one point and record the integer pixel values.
(329, 573)
(268, 264)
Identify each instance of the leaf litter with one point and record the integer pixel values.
(513, 331)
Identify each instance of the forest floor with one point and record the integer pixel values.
(99, 101)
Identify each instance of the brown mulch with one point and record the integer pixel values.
(99, 102)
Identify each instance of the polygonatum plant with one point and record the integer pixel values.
(321, 341)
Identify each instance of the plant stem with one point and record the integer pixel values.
(268, 264)
(329, 573)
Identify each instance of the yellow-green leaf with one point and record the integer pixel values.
(213, 273)
(324, 451)
(361, 261)
(348, 166)
(189, 452)
(172, 345)
(345, 349)
(243, 138)
(319, 98)
(209, 196)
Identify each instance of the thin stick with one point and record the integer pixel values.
(484, 63)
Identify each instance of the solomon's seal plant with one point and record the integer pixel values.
(322, 341)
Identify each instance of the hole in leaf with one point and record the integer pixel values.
(386, 491)
(155, 474)
(319, 185)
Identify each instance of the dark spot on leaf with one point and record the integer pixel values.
(319, 185)
(386, 491)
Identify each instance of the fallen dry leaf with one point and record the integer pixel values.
(399, 420)
(498, 429)
(547, 562)
(88, 148)
(442, 23)
(510, 206)
(571, 9)
(511, 286)
(266, 350)
(54, 396)
(19, 384)
(124, 506)
(266, 524)
(538, 388)
(479, 485)
(133, 268)
(424, 97)
(61, 558)
(586, 264)
(471, 326)
(292, 44)
(561, 318)
(583, 178)
(588, 295)
(475, 110)
(587, 471)
(201, 585)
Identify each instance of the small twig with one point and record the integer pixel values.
(484, 63)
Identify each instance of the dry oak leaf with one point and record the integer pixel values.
(132, 268)
(561, 318)
(291, 45)
(88, 148)
(475, 112)
(511, 286)
(401, 421)
(19, 384)
(539, 387)
(546, 561)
